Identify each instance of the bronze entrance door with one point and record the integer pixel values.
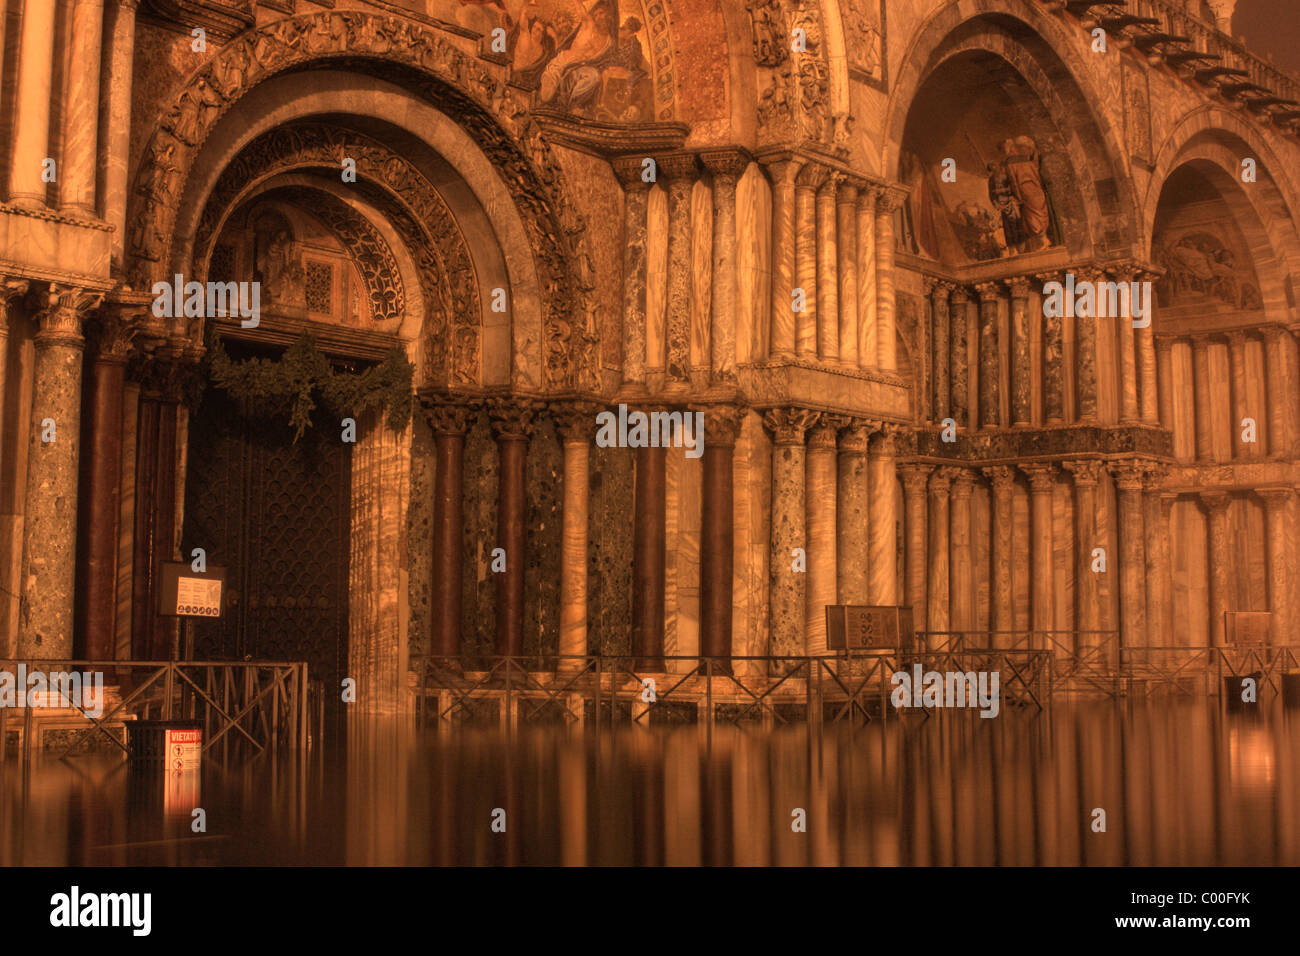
(276, 514)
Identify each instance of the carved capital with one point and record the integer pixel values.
(62, 312)
(914, 477)
(1128, 474)
(941, 481)
(783, 170)
(938, 289)
(963, 483)
(448, 418)
(512, 418)
(725, 164)
(960, 295)
(1215, 502)
(823, 434)
(812, 176)
(789, 425)
(113, 336)
(1275, 499)
(629, 171)
(1272, 334)
(884, 441)
(855, 437)
(889, 200)
(1002, 478)
(1041, 475)
(679, 167)
(1019, 287)
(722, 424)
(575, 421)
(988, 291)
(11, 291)
(1086, 472)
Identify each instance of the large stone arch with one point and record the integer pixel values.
(1035, 45)
(418, 61)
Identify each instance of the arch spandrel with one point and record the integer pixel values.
(494, 115)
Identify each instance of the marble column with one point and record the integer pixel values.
(636, 194)
(820, 492)
(847, 246)
(853, 515)
(648, 557)
(1041, 479)
(868, 347)
(1279, 397)
(886, 342)
(1144, 341)
(1129, 412)
(1204, 392)
(50, 512)
(81, 110)
(914, 478)
(1237, 391)
(680, 169)
(1219, 562)
(936, 605)
(115, 91)
(788, 532)
(939, 342)
(576, 424)
(726, 166)
(512, 424)
(1053, 357)
(449, 424)
(1085, 355)
(781, 173)
(96, 594)
(12, 291)
(1159, 580)
(1002, 478)
(31, 121)
(961, 563)
(1165, 375)
(809, 179)
(717, 531)
(959, 376)
(1132, 560)
(828, 282)
(1281, 558)
(990, 379)
(1022, 389)
(883, 480)
(1087, 596)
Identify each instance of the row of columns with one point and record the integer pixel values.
(1280, 437)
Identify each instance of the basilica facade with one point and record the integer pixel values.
(830, 227)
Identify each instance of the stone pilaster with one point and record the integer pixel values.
(990, 380)
(1041, 477)
(782, 174)
(1087, 596)
(1002, 479)
(449, 423)
(959, 376)
(1022, 389)
(681, 170)
(821, 480)
(939, 340)
(914, 478)
(806, 323)
(883, 480)
(512, 425)
(31, 122)
(887, 342)
(636, 192)
(50, 512)
(1279, 391)
(868, 339)
(81, 111)
(846, 228)
(1216, 504)
(828, 283)
(576, 424)
(853, 515)
(788, 532)
(962, 564)
(717, 530)
(727, 166)
(1281, 560)
(1129, 476)
(937, 620)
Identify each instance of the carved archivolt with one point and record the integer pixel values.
(413, 207)
(481, 102)
(794, 77)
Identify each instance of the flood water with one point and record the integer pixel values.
(1180, 781)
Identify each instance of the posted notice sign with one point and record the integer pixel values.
(862, 628)
(189, 593)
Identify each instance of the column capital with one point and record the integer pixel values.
(1087, 273)
(1165, 343)
(1275, 498)
(812, 176)
(512, 419)
(890, 199)
(782, 169)
(1215, 502)
(847, 194)
(1128, 474)
(11, 290)
(963, 482)
(678, 167)
(789, 425)
(112, 338)
(941, 480)
(960, 295)
(629, 169)
(823, 433)
(1001, 477)
(575, 421)
(1201, 341)
(988, 291)
(884, 441)
(914, 476)
(1272, 334)
(728, 162)
(448, 418)
(1236, 338)
(867, 194)
(722, 424)
(937, 288)
(856, 436)
(62, 311)
(1085, 471)
(1155, 473)
(1041, 475)
(1018, 286)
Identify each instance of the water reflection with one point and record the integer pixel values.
(1181, 783)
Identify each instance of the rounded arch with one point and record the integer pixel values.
(424, 69)
(1032, 43)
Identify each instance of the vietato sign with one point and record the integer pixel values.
(189, 593)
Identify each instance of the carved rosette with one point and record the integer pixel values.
(789, 425)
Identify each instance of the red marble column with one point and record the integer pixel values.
(648, 555)
(512, 423)
(449, 424)
(721, 428)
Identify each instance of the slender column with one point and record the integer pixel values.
(939, 341)
(914, 478)
(1021, 383)
(1003, 480)
(576, 423)
(1216, 505)
(717, 530)
(821, 532)
(990, 356)
(81, 116)
(806, 323)
(1053, 357)
(50, 513)
(1237, 388)
(962, 598)
(960, 374)
(31, 128)
(936, 605)
(868, 348)
(1204, 397)
(680, 170)
(853, 515)
(1158, 576)
(1041, 478)
(1087, 596)
(512, 423)
(782, 175)
(1144, 340)
(1279, 388)
(12, 292)
(1165, 373)
(788, 532)
(1132, 561)
(727, 166)
(1085, 355)
(846, 229)
(1281, 557)
(449, 424)
(886, 343)
(636, 193)
(115, 121)
(96, 595)
(881, 458)
(1128, 370)
(148, 414)
(648, 557)
(828, 297)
